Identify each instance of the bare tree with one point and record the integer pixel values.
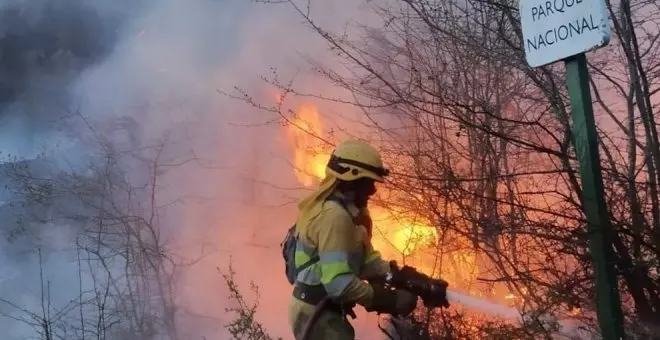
(127, 273)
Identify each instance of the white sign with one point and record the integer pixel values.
(557, 29)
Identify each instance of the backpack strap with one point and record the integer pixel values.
(309, 262)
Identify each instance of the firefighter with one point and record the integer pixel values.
(333, 225)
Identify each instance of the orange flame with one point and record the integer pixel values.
(304, 131)
(310, 159)
(396, 237)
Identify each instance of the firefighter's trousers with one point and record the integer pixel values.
(329, 326)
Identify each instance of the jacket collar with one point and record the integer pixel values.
(350, 206)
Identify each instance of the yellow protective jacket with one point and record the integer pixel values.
(346, 255)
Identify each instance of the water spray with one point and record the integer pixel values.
(485, 306)
(397, 325)
(499, 311)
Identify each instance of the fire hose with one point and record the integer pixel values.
(433, 292)
(315, 317)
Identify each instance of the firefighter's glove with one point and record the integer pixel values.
(397, 302)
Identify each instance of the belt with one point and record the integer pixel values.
(314, 294)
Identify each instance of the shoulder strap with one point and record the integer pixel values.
(309, 262)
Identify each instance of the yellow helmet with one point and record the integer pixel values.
(354, 159)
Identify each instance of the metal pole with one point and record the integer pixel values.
(599, 228)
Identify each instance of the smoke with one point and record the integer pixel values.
(79, 77)
(43, 51)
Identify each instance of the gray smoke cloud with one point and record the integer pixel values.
(76, 73)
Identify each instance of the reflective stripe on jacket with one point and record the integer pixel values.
(346, 255)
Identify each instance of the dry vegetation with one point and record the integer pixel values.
(126, 270)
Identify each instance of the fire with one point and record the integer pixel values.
(305, 133)
(574, 312)
(413, 235)
(404, 235)
(406, 238)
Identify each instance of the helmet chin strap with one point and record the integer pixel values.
(361, 202)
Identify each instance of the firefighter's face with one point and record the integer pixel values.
(364, 189)
(360, 190)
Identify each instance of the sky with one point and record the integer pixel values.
(160, 65)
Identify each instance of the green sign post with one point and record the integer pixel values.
(585, 139)
(565, 30)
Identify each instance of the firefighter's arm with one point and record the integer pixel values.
(339, 245)
(374, 266)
